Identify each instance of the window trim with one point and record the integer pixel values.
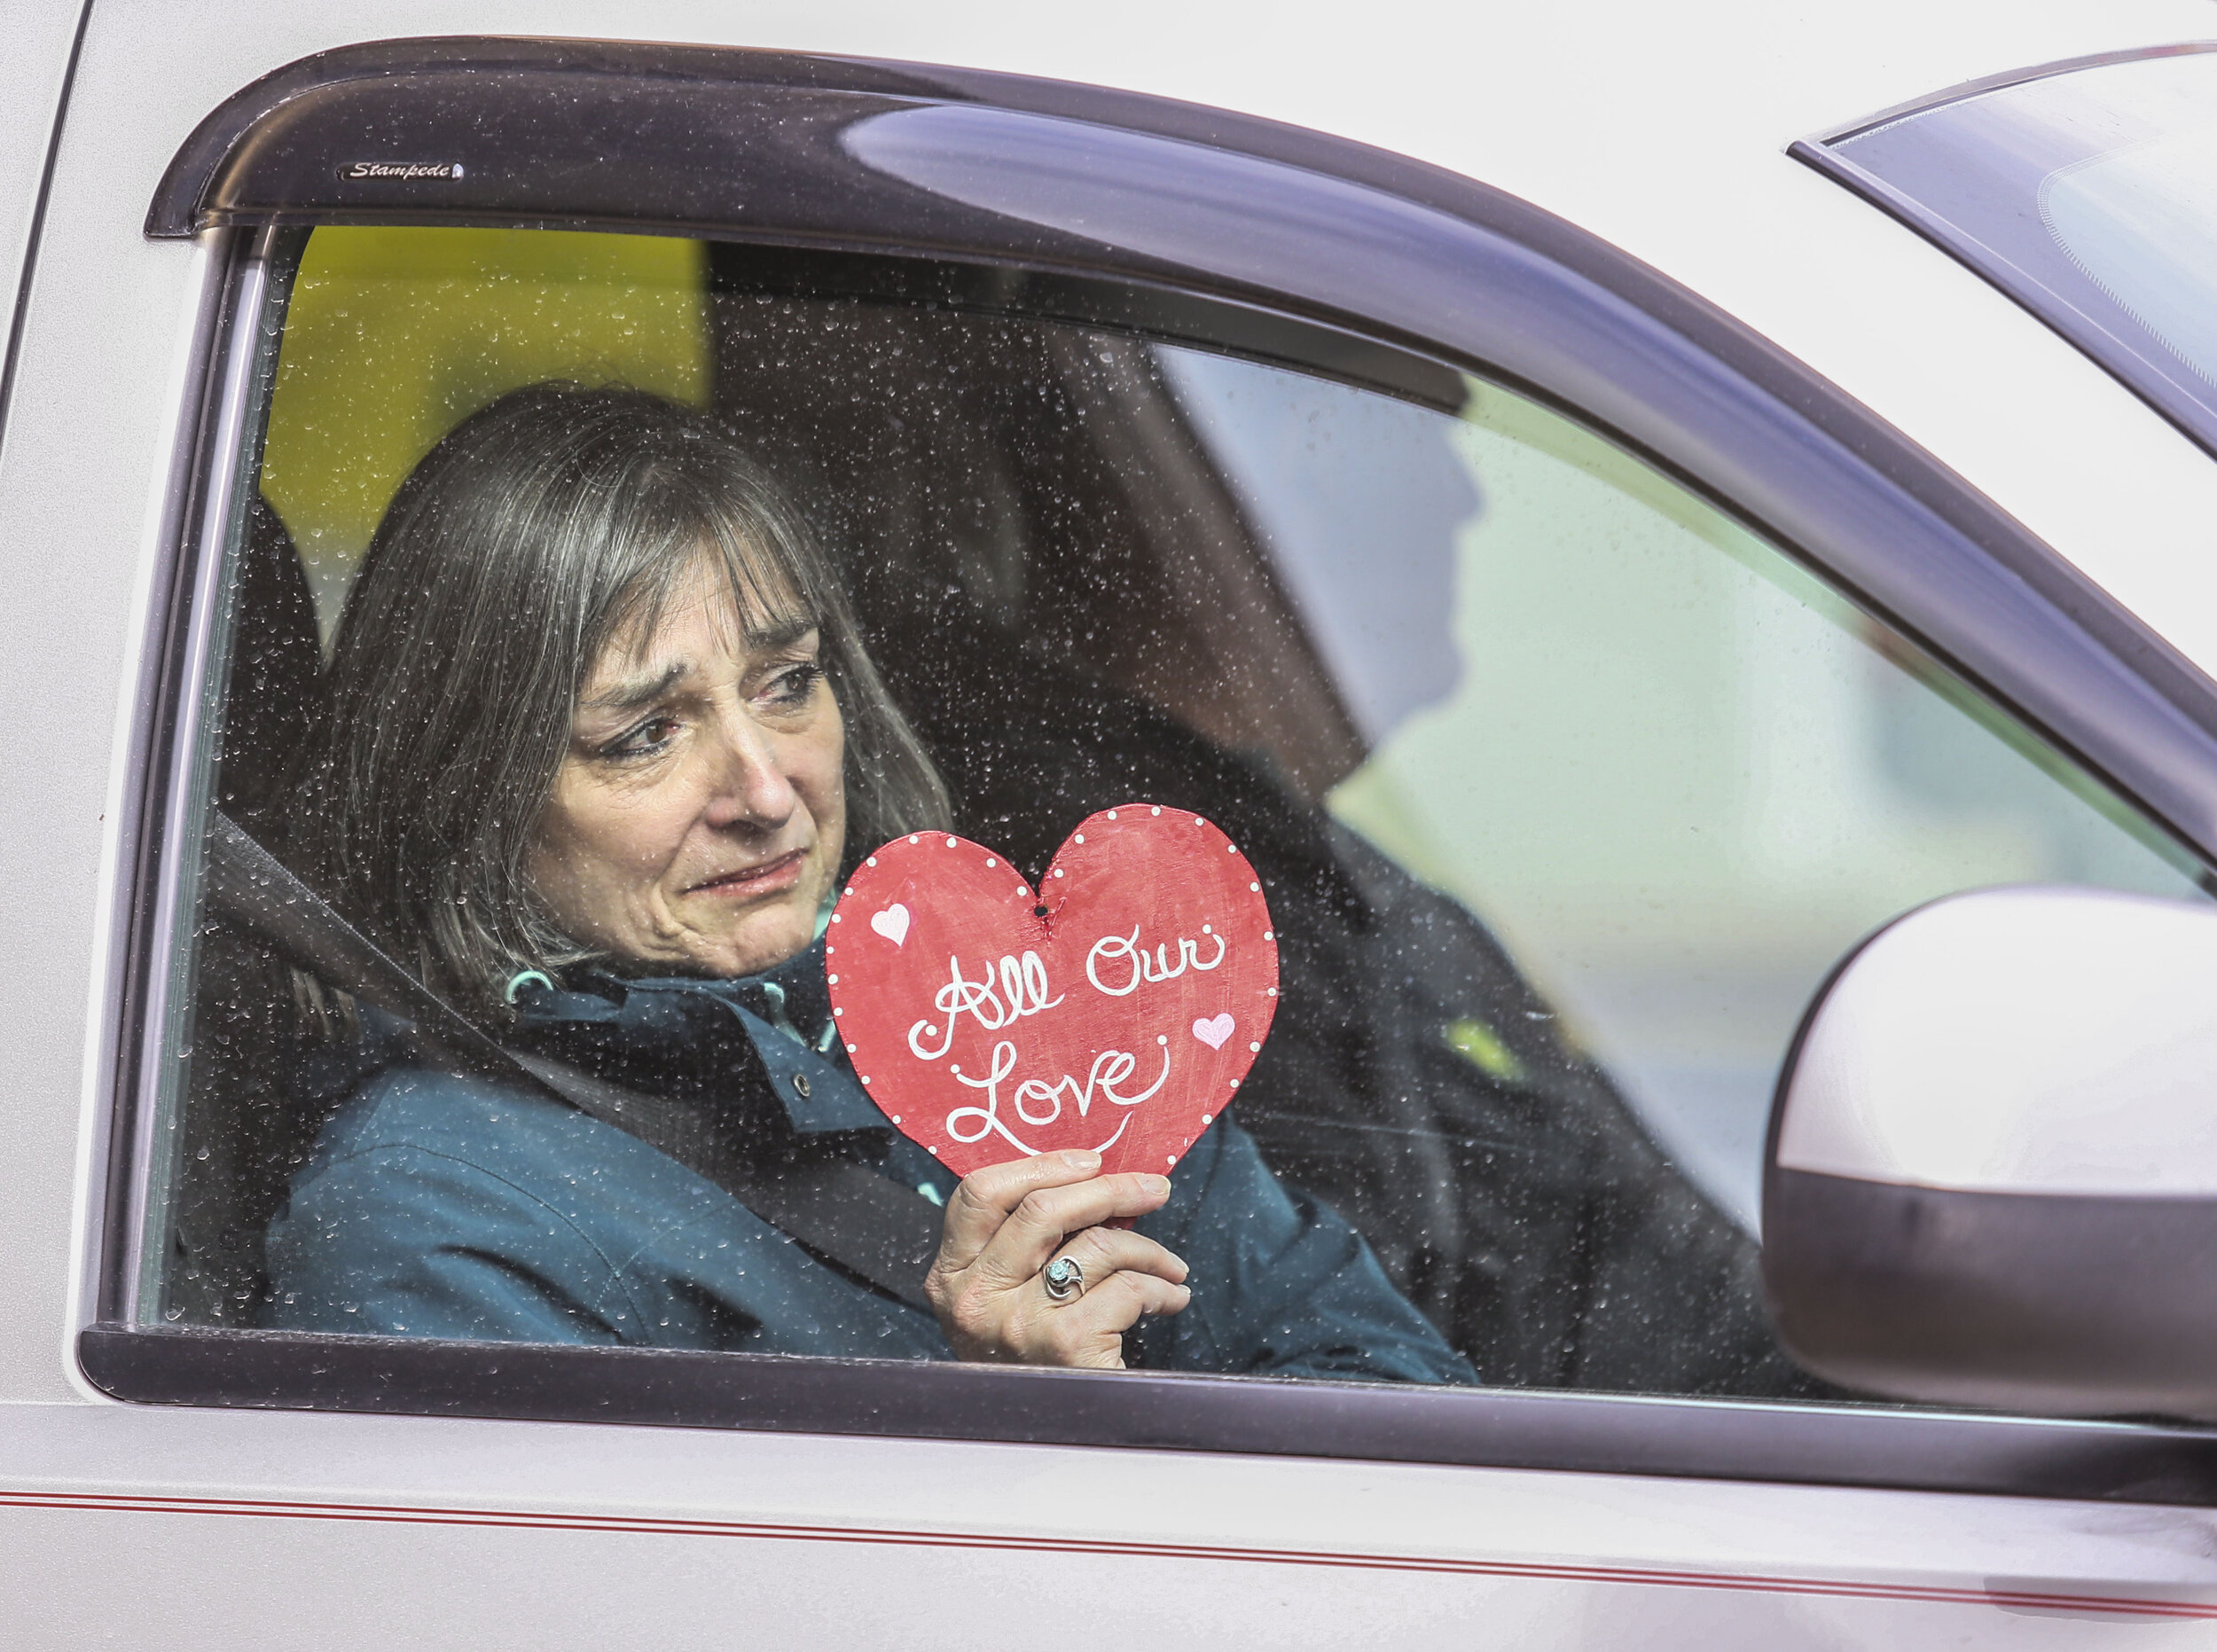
(1565, 319)
(202, 478)
(240, 372)
(1716, 1439)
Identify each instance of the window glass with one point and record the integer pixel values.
(1674, 772)
(1563, 791)
(393, 336)
(2142, 220)
(2086, 196)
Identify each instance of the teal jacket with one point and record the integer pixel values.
(437, 1204)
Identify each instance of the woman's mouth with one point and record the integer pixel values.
(770, 877)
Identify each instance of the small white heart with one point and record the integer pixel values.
(892, 923)
(1214, 1032)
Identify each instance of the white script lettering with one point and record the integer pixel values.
(1024, 991)
(1111, 1069)
(1127, 947)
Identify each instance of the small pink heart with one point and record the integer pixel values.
(1215, 1030)
(892, 923)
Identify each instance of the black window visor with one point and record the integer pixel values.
(1122, 209)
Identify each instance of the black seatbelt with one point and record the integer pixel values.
(858, 1221)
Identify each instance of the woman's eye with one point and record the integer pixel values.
(794, 684)
(650, 736)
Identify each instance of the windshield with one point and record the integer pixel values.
(2089, 196)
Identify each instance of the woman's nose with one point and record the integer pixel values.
(750, 784)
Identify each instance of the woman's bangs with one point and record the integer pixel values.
(750, 589)
(756, 591)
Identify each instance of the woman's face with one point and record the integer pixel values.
(696, 822)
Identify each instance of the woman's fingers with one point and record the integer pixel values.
(1090, 1331)
(1006, 1222)
(985, 1198)
(1104, 1251)
(1035, 1228)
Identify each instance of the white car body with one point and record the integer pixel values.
(1662, 130)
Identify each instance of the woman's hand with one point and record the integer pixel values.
(1007, 1221)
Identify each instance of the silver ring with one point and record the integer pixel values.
(1065, 1281)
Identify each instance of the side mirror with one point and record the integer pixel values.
(1991, 1177)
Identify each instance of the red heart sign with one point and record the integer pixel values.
(1118, 1007)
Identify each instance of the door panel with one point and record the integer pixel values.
(221, 1530)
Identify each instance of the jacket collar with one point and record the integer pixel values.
(675, 1034)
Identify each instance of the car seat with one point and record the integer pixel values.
(241, 1135)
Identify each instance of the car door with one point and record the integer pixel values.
(1582, 675)
(43, 39)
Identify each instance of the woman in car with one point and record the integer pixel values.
(602, 742)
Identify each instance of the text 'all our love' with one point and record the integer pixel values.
(1118, 1007)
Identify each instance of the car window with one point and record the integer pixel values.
(1564, 790)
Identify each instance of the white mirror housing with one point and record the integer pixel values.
(1991, 1177)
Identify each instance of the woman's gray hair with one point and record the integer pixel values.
(537, 532)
